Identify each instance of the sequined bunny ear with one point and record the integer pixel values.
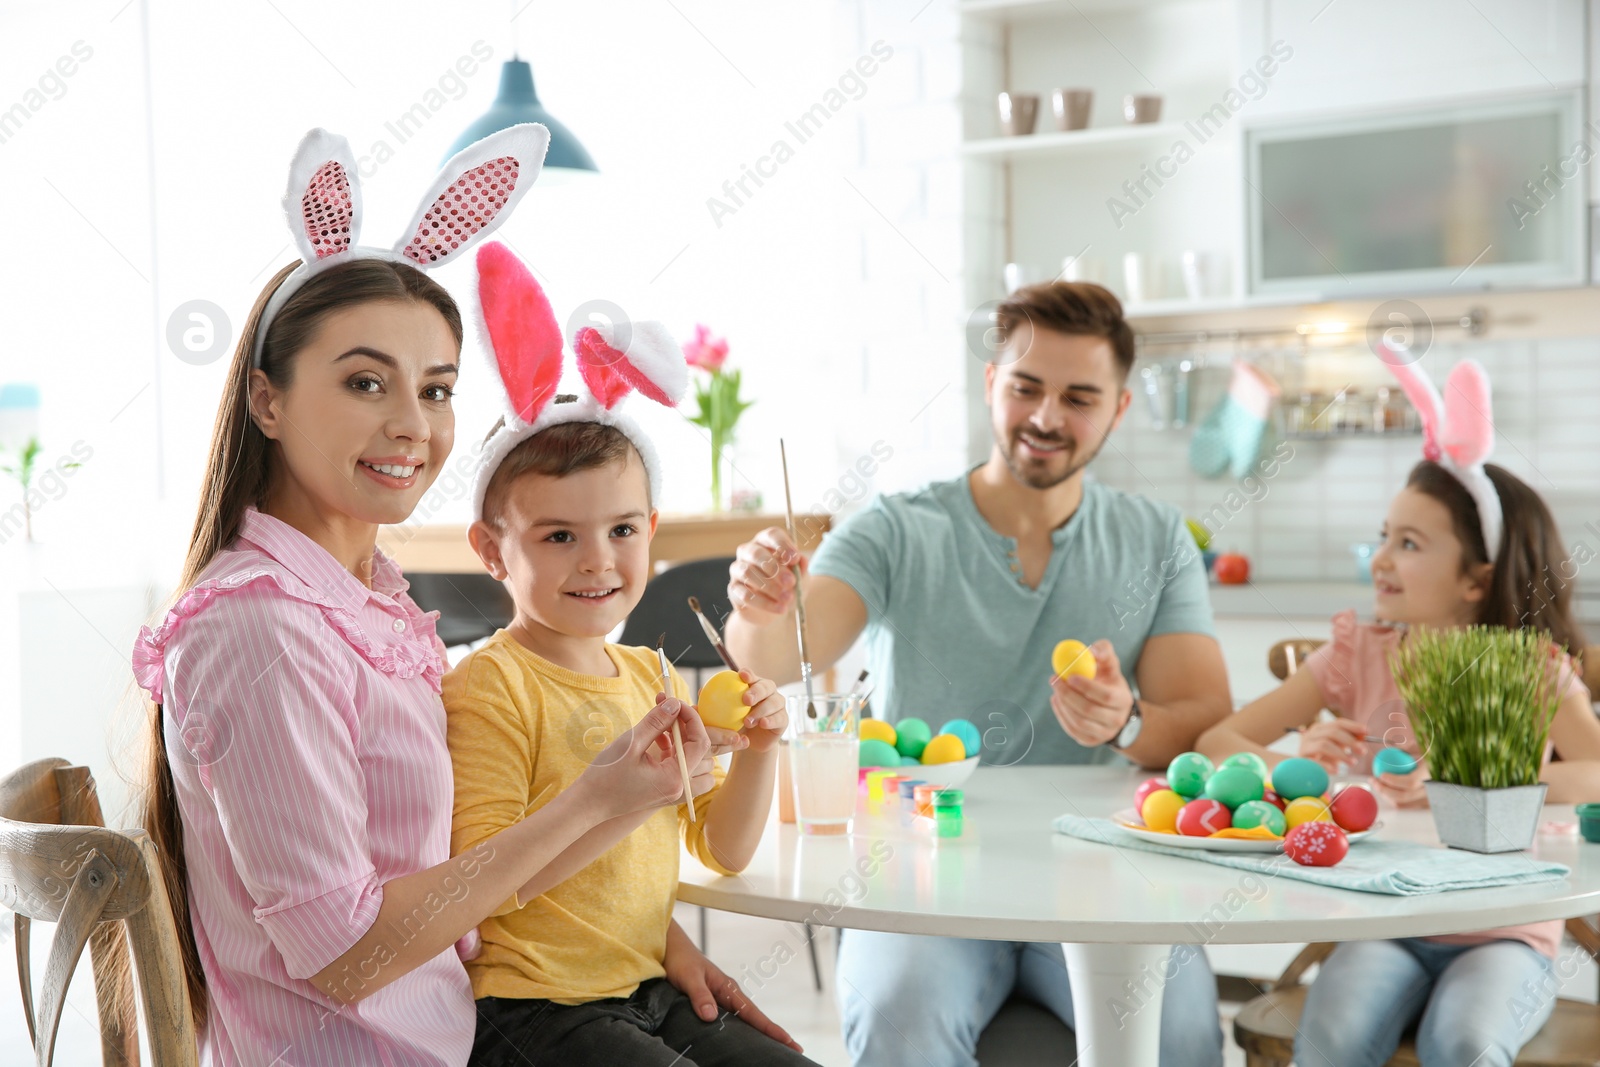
(323, 200)
(474, 192)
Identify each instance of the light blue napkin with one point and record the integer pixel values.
(1399, 868)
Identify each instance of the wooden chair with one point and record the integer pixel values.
(1285, 657)
(59, 863)
(1265, 1027)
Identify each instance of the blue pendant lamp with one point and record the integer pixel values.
(517, 102)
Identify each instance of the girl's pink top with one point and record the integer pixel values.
(306, 737)
(1352, 670)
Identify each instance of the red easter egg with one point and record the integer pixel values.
(1272, 798)
(1146, 787)
(1202, 818)
(1316, 844)
(1354, 808)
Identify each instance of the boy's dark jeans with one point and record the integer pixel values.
(656, 1027)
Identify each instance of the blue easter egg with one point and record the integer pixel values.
(1393, 761)
(1295, 778)
(971, 740)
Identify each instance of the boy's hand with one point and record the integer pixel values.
(709, 990)
(769, 713)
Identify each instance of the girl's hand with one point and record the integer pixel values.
(639, 770)
(1404, 790)
(1335, 744)
(709, 990)
(769, 713)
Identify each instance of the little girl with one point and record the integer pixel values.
(1433, 569)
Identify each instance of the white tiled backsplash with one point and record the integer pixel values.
(1299, 524)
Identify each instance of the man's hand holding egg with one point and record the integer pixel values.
(742, 711)
(1089, 695)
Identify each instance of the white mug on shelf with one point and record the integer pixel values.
(1082, 268)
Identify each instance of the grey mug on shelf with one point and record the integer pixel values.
(1141, 108)
(1019, 112)
(1071, 107)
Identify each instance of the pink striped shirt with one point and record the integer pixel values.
(306, 737)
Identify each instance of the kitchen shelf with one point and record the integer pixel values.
(1073, 142)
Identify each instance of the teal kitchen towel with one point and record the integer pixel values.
(1398, 868)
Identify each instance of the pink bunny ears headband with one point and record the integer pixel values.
(1457, 432)
(520, 332)
(473, 193)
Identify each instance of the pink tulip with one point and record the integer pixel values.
(706, 351)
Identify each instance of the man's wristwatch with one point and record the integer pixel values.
(1130, 729)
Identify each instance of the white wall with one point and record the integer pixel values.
(833, 280)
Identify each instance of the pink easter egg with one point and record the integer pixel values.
(1146, 787)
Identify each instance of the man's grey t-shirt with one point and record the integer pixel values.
(953, 632)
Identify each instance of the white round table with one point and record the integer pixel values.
(1010, 877)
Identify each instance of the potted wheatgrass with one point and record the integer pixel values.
(1481, 700)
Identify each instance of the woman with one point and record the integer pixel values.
(298, 783)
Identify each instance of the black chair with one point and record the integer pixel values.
(1023, 1033)
(664, 609)
(470, 606)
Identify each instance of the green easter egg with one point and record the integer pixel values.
(1187, 774)
(1250, 760)
(912, 736)
(1260, 813)
(1234, 786)
(876, 753)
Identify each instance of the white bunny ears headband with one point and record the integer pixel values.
(521, 334)
(1457, 432)
(473, 193)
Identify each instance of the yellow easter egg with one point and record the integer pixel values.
(1306, 809)
(1160, 811)
(1072, 657)
(722, 701)
(877, 730)
(944, 748)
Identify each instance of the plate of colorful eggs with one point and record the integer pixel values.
(945, 758)
(1240, 806)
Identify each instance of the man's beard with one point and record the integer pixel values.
(1036, 475)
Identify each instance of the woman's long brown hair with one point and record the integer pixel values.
(239, 473)
(1528, 587)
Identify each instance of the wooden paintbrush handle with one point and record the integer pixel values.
(683, 766)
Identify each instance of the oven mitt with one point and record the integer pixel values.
(1229, 441)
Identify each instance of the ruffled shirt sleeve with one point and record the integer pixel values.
(1334, 665)
(261, 725)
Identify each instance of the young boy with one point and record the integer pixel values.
(585, 965)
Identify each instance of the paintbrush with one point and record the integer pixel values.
(799, 601)
(856, 688)
(677, 734)
(712, 635)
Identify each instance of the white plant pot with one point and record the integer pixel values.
(1486, 820)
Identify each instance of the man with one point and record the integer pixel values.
(963, 589)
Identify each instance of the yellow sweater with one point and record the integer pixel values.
(521, 729)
